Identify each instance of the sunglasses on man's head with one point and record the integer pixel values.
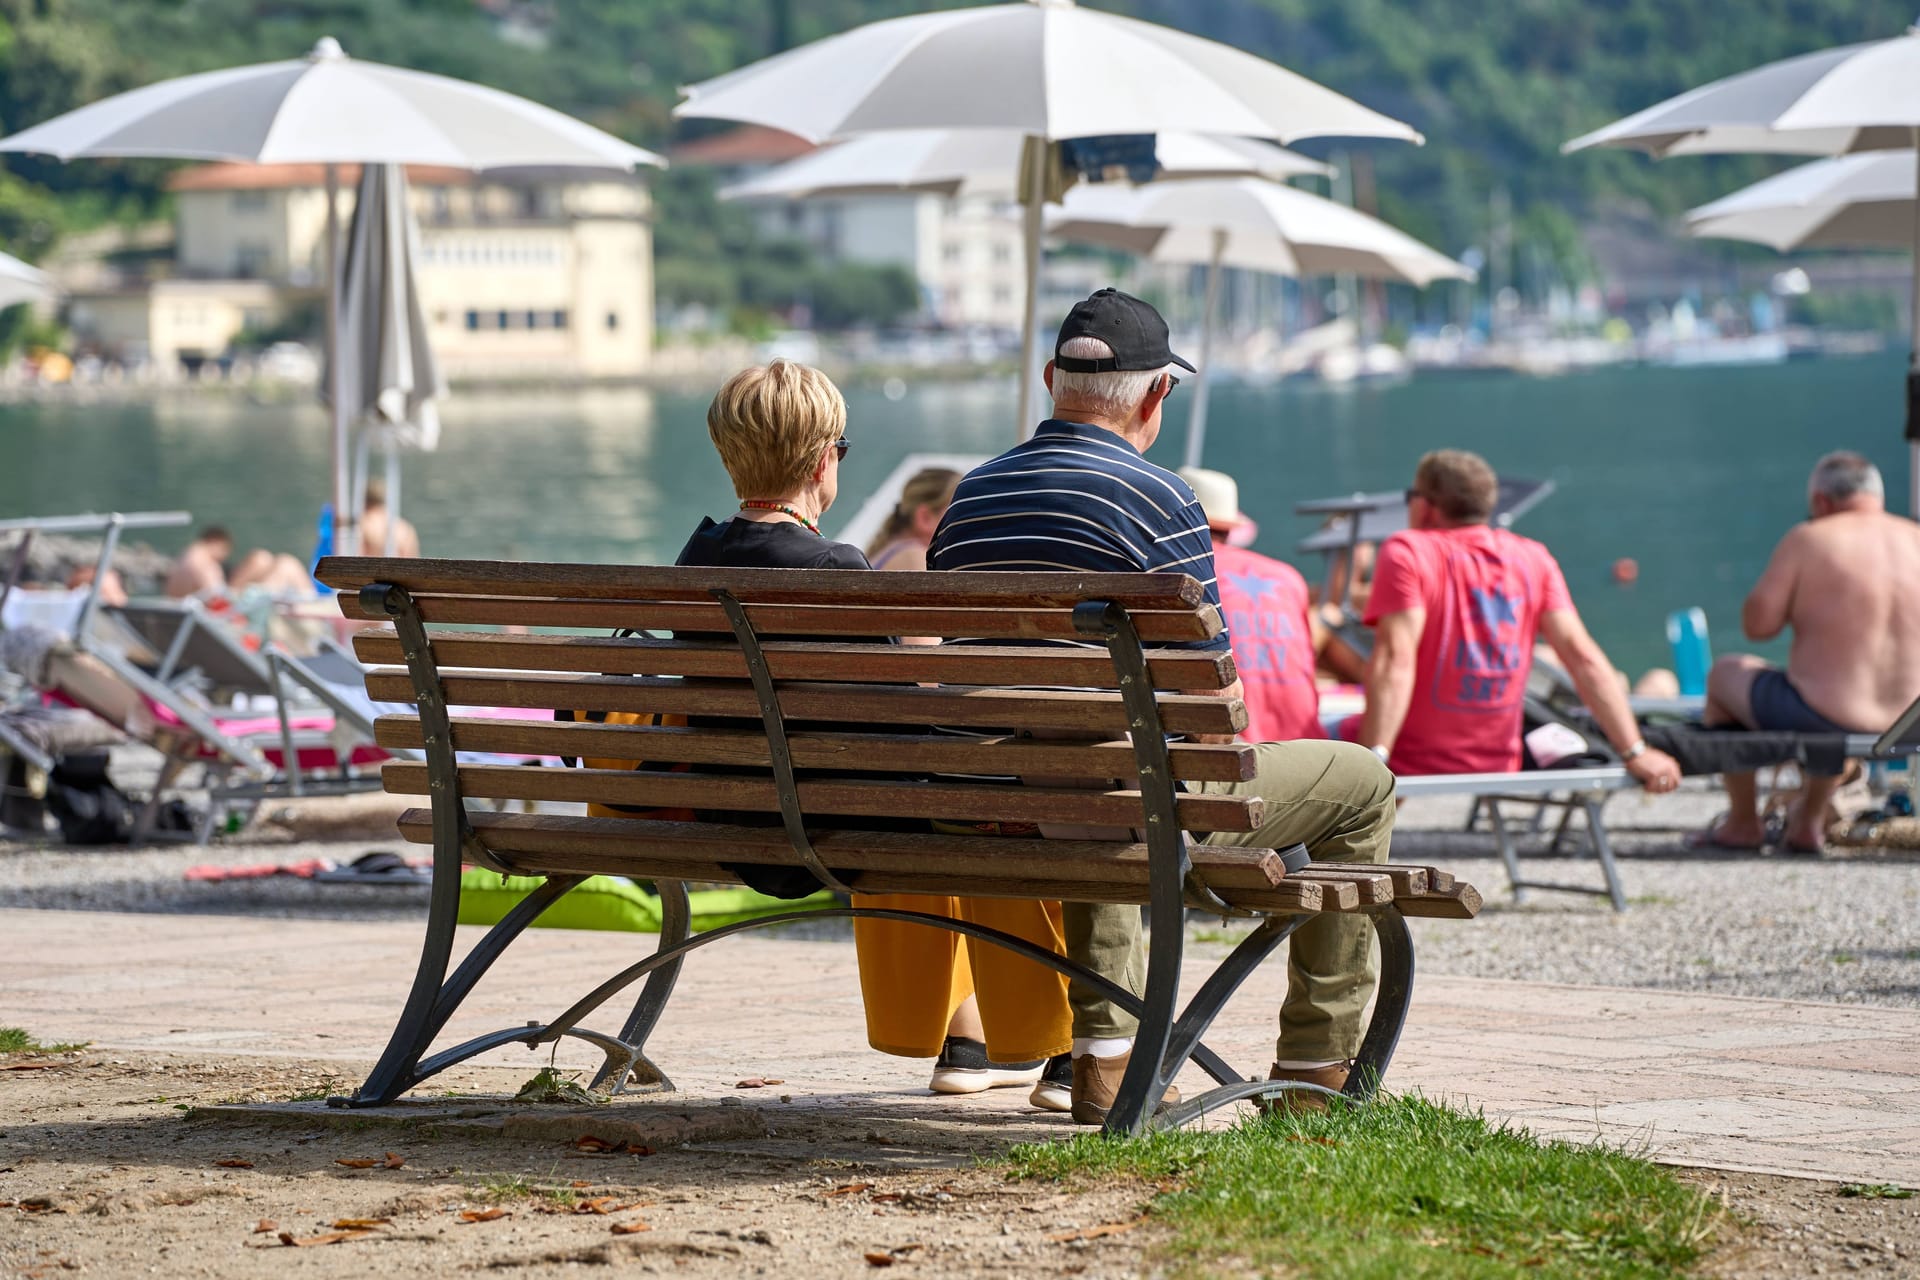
(840, 448)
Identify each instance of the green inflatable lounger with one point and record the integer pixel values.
(614, 902)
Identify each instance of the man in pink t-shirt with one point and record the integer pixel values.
(1456, 608)
(1266, 604)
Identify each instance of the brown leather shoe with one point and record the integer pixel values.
(1096, 1081)
(1331, 1077)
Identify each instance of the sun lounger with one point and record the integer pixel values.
(1573, 790)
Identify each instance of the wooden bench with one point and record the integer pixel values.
(1005, 707)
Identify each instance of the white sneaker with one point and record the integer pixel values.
(1054, 1090)
(963, 1067)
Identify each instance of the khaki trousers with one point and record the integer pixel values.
(1337, 799)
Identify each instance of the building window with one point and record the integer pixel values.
(1002, 255)
(613, 321)
(950, 251)
(502, 320)
(559, 319)
(533, 319)
(249, 201)
(473, 321)
(1002, 295)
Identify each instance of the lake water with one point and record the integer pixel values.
(1695, 473)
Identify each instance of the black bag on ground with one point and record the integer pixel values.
(86, 804)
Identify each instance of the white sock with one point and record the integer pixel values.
(1102, 1046)
(1293, 1064)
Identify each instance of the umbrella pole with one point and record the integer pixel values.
(1033, 199)
(346, 531)
(1913, 358)
(1197, 416)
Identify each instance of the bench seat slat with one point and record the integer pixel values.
(652, 849)
(853, 620)
(774, 586)
(959, 706)
(790, 660)
(902, 798)
(896, 752)
(1458, 901)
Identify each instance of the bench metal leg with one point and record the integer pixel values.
(676, 919)
(1391, 1001)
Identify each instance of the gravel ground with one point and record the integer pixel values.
(1844, 927)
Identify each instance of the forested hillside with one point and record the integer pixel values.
(1496, 85)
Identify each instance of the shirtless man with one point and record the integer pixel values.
(1843, 581)
(202, 567)
(373, 526)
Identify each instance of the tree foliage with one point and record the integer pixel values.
(1496, 86)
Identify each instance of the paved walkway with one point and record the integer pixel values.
(1816, 1090)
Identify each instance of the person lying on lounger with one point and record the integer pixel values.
(1843, 583)
(1456, 607)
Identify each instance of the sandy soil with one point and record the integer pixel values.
(104, 1170)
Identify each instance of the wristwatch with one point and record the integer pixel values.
(1385, 752)
(1634, 752)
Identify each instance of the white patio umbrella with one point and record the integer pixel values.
(327, 108)
(1248, 223)
(388, 376)
(1863, 201)
(1856, 98)
(986, 163)
(1046, 69)
(21, 283)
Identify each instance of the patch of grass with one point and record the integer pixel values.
(1844, 957)
(317, 1093)
(506, 1188)
(1404, 1187)
(16, 1040)
(1876, 1191)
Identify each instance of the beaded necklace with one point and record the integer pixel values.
(761, 504)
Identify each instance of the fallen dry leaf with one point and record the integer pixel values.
(602, 1147)
(361, 1224)
(395, 1161)
(234, 1164)
(757, 1082)
(849, 1188)
(577, 1183)
(598, 1204)
(630, 1228)
(888, 1197)
(877, 1259)
(1094, 1233)
(482, 1215)
(265, 1226)
(332, 1237)
(358, 1164)
(36, 1204)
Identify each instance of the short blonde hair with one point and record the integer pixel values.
(771, 423)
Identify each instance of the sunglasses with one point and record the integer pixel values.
(840, 448)
(1172, 384)
(1411, 494)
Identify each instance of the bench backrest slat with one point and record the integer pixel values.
(769, 586)
(956, 706)
(896, 753)
(883, 798)
(790, 660)
(853, 620)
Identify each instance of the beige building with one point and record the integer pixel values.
(522, 273)
(965, 252)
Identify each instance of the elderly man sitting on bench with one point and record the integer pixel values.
(1456, 607)
(1843, 583)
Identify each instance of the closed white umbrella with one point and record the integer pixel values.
(1856, 98)
(986, 163)
(388, 376)
(1045, 69)
(21, 283)
(1251, 224)
(329, 109)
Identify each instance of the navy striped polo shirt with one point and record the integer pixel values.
(1077, 498)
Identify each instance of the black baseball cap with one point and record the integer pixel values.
(1131, 327)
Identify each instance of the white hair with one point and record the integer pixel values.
(1843, 475)
(1115, 394)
